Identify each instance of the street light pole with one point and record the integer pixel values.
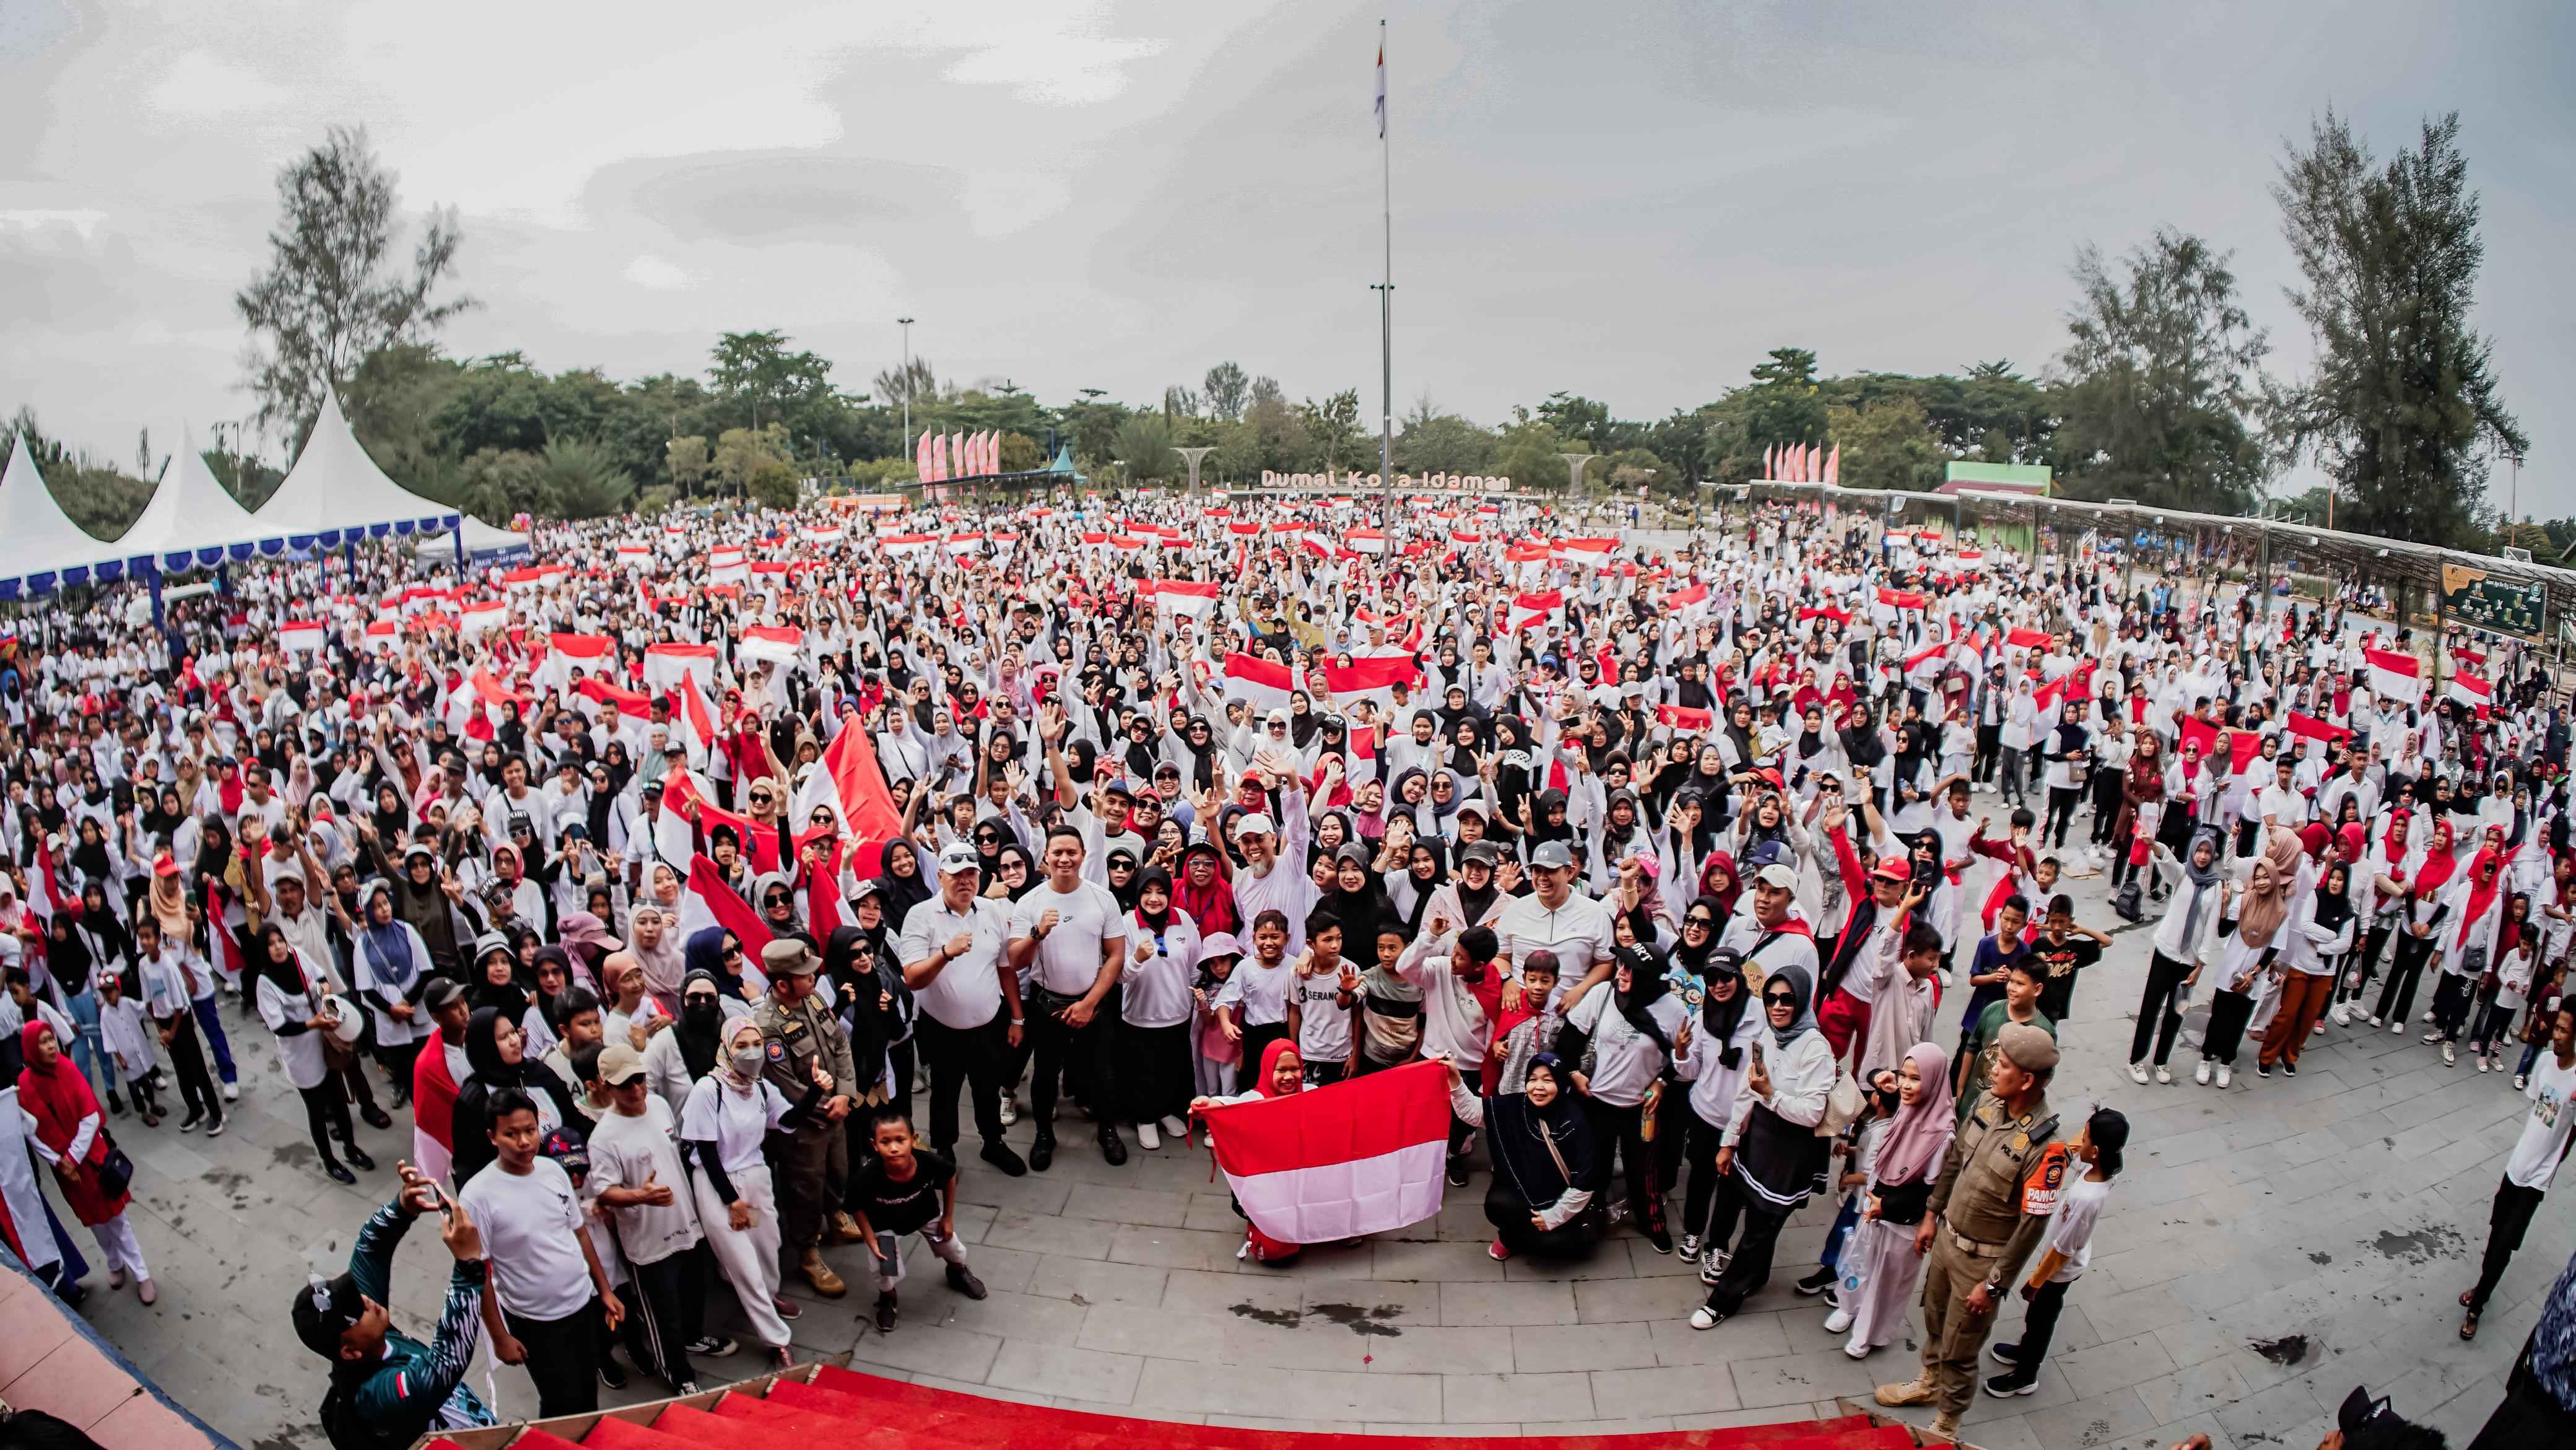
(906, 324)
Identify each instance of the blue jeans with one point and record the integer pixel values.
(212, 1027)
(1844, 1223)
(89, 1050)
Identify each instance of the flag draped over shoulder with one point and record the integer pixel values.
(1359, 1157)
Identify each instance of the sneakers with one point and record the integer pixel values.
(610, 1374)
(1916, 1391)
(190, 1123)
(963, 1280)
(1706, 1318)
(2432, 1037)
(232, 1092)
(1042, 1152)
(215, 1128)
(2428, 1017)
(787, 1308)
(2005, 1354)
(2450, 1054)
(2319, 1030)
(2370, 1019)
(999, 1154)
(2483, 1067)
(1458, 1170)
(1010, 1109)
(2262, 1068)
(1857, 1350)
(2200, 1074)
(2289, 1068)
(1497, 1251)
(1690, 1246)
(2005, 1386)
(2520, 1082)
(2138, 1073)
(885, 1313)
(1712, 1265)
(2342, 1015)
(2226, 1075)
(2396, 1027)
(1838, 1321)
(338, 1170)
(1148, 1137)
(712, 1346)
(1176, 1130)
(1816, 1283)
(1659, 1240)
(2164, 1075)
(820, 1275)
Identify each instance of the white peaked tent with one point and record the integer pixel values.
(40, 547)
(335, 489)
(482, 541)
(193, 521)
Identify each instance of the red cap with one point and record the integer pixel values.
(1893, 868)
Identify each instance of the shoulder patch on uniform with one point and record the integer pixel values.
(777, 1051)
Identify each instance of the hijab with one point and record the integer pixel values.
(1719, 1019)
(389, 954)
(1211, 910)
(663, 963)
(57, 1095)
(1527, 1140)
(1721, 861)
(2439, 863)
(724, 1060)
(1912, 1150)
(2202, 880)
(1150, 877)
(1802, 983)
(2267, 896)
(705, 953)
(483, 1053)
(288, 974)
(902, 892)
(698, 1040)
(1646, 986)
(1270, 1061)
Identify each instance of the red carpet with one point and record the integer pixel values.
(845, 1410)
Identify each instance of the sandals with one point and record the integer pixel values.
(2468, 1321)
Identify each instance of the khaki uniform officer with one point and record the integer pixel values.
(799, 1033)
(1988, 1211)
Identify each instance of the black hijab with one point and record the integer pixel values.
(1527, 1140)
(1718, 1020)
(699, 1034)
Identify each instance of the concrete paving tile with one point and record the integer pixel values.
(1442, 1262)
(1612, 1301)
(1173, 1248)
(1538, 1348)
(1502, 1303)
(1088, 1375)
(1677, 1390)
(1524, 1397)
(1097, 1281)
(1292, 1394)
(1744, 1337)
(955, 1353)
(1110, 1204)
(1194, 1291)
(2113, 1419)
(1001, 1314)
(2193, 1390)
(2115, 1365)
(1791, 1379)
(1146, 1330)
(1066, 1238)
(2049, 1391)
(1381, 1302)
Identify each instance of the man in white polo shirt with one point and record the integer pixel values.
(1554, 917)
(1076, 934)
(951, 949)
(1774, 935)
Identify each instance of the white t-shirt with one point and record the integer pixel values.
(1626, 1062)
(627, 1152)
(735, 1121)
(1068, 956)
(2543, 1143)
(1258, 994)
(968, 990)
(1578, 932)
(2070, 1229)
(1323, 1025)
(1155, 992)
(531, 1226)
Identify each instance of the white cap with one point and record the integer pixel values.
(1778, 876)
(959, 856)
(1257, 823)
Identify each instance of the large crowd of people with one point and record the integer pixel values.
(679, 888)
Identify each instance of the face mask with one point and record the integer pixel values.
(746, 1061)
(699, 1014)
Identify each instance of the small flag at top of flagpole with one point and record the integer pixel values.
(1381, 80)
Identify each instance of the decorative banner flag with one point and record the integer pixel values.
(1770, 469)
(384, 636)
(2469, 689)
(854, 787)
(592, 654)
(2395, 676)
(302, 635)
(1682, 717)
(665, 665)
(707, 901)
(898, 545)
(775, 644)
(1184, 596)
(1263, 683)
(482, 616)
(2312, 728)
(1529, 611)
(1834, 466)
(1373, 679)
(1360, 1157)
(1366, 541)
(963, 543)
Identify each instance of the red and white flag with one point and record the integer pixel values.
(1264, 684)
(2395, 676)
(2309, 727)
(850, 781)
(898, 545)
(2468, 689)
(592, 654)
(482, 616)
(1366, 541)
(1682, 717)
(1373, 679)
(706, 901)
(1589, 551)
(1688, 604)
(1530, 611)
(778, 645)
(302, 635)
(665, 665)
(595, 696)
(1184, 596)
(1360, 1157)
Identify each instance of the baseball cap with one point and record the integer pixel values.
(324, 1309)
(1771, 853)
(619, 1063)
(1254, 823)
(959, 856)
(440, 992)
(1779, 876)
(2367, 1422)
(1893, 868)
(1484, 851)
(1551, 855)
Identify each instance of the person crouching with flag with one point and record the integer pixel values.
(1282, 1074)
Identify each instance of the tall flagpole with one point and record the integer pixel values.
(1386, 305)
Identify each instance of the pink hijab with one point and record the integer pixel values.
(1913, 1148)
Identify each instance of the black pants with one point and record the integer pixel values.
(563, 1359)
(2107, 786)
(1750, 1266)
(2491, 1021)
(1324, 1073)
(2511, 1218)
(2362, 967)
(666, 1312)
(1257, 1037)
(146, 1091)
(2160, 1010)
(2397, 995)
(2038, 1327)
(1624, 1127)
(2061, 811)
(1075, 1056)
(1511, 1214)
(968, 1056)
(188, 1064)
(2228, 1014)
(2530, 1415)
(2452, 996)
(326, 1112)
(396, 1060)
(1700, 1150)
(1989, 748)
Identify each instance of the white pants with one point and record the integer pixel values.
(885, 1263)
(122, 1249)
(749, 1257)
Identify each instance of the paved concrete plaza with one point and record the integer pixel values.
(2268, 1247)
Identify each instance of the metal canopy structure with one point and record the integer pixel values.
(2361, 556)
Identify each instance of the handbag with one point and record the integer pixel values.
(115, 1171)
(1842, 1104)
(2473, 960)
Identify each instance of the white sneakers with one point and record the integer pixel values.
(2164, 1076)
(2450, 1054)
(2396, 1027)
(232, 1092)
(1010, 1109)
(1146, 1137)
(1838, 1321)
(1701, 1318)
(2138, 1073)
(1175, 1129)
(2483, 1067)
(2226, 1074)
(2200, 1074)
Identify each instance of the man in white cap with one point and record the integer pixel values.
(951, 950)
(1774, 934)
(1555, 917)
(1273, 877)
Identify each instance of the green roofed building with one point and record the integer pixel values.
(1997, 478)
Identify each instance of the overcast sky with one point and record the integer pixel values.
(1632, 201)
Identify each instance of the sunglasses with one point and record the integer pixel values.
(1699, 921)
(732, 953)
(1780, 999)
(699, 997)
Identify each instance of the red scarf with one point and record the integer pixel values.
(2482, 894)
(57, 1097)
(2438, 867)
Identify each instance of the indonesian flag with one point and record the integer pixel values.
(850, 781)
(899, 545)
(2395, 676)
(1924, 665)
(483, 616)
(302, 635)
(2242, 746)
(2468, 689)
(1968, 558)
(1589, 550)
(635, 556)
(1184, 596)
(2201, 735)
(1237, 526)
(595, 695)
(1689, 603)
(1900, 599)
(1367, 541)
(1682, 717)
(2311, 728)
(2468, 658)
(693, 720)
(384, 636)
(1528, 554)
(1360, 1157)
(1372, 679)
(665, 665)
(589, 653)
(481, 689)
(2020, 638)
(775, 644)
(822, 534)
(1838, 616)
(1529, 611)
(963, 543)
(724, 569)
(706, 901)
(1265, 684)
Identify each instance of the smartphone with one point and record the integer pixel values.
(1757, 1055)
